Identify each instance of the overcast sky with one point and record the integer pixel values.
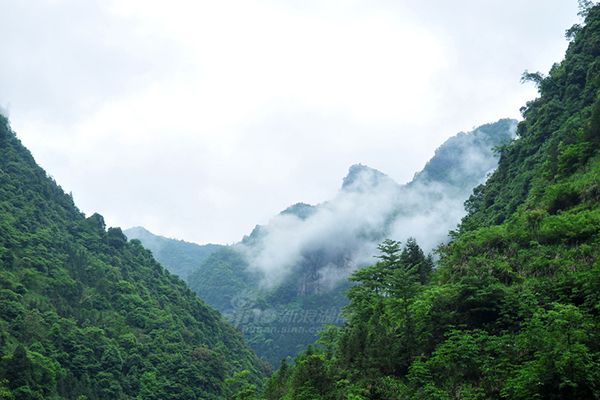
(200, 119)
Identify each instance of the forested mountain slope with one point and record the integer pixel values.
(84, 314)
(513, 311)
(179, 257)
(286, 280)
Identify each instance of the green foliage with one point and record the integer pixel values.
(282, 318)
(84, 314)
(240, 387)
(221, 278)
(512, 310)
(535, 77)
(379, 337)
(448, 165)
(561, 364)
(177, 256)
(277, 322)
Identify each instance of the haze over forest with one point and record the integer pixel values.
(301, 259)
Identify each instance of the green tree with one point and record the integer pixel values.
(562, 364)
(413, 256)
(19, 371)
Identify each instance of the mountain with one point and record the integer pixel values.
(300, 210)
(362, 178)
(513, 309)
(458, 162)
(286, 280)
(178, 256)
(85, 314)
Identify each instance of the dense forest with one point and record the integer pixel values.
(513, 308)
(312, 249)
(85, 314)
(177, 256)
(510, 309)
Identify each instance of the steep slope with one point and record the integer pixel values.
(177, 256)
(224, 279)
(513, 310)
(458, 162)
(84, 314)
(286, 280)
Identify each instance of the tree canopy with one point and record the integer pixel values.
(512, 308)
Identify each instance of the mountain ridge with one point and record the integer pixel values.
(84, 313)
(512, 309)
(179, 256)
(260, 279)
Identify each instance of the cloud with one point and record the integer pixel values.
(333, 238)
(199, 119)
(342, 234)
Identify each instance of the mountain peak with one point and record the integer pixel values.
(300, 210)
(361, 177)
(461, 160)
(138, 230)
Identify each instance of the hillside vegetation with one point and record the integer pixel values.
(85, 314)
(179, 257)
(287, 279)
(513, 310)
